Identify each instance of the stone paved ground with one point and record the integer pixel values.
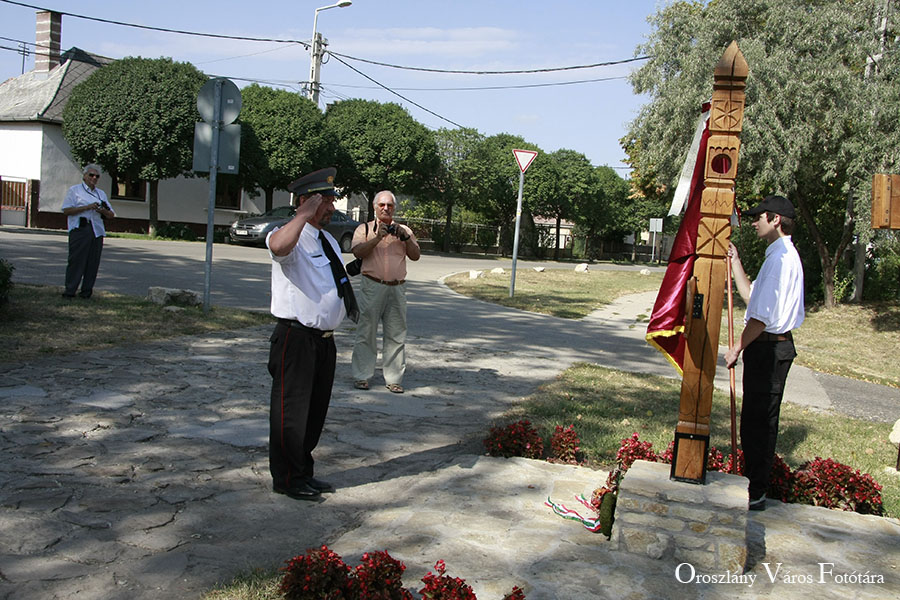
(141, 472)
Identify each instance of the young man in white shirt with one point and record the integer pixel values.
(775, 306)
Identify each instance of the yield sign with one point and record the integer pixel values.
(524, 158)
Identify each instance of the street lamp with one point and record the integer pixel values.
(316, 50)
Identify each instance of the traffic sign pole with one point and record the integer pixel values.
(512, 280)
(523, 159)
(211, 210)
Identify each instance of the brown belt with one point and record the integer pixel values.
(383, 282)
(765, 336)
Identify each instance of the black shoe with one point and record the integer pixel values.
(68, 296)
(758, 503)
(323, 487)
(298, 491)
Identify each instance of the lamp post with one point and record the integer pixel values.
(316, 50)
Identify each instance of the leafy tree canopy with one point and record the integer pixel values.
(135, 117)
(286, 137)
(817, 123)
(383, 147)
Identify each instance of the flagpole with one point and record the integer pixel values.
(731, 381)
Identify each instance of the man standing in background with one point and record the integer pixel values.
(383, 246)
(85, 207)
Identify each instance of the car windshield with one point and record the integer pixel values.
(281, 211)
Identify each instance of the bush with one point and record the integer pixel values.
(378, 577)
(516, 439)
(824, 482)
(317, 575)
(6, 270)
(321, 574)
(176, 231)
(444, 587)
(565, 444)
(820, 482)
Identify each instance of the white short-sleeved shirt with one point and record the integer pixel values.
(82, 195)
(303, 287)
(776, 296)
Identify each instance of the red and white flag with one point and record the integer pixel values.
(665, 332)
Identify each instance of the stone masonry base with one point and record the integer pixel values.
(704, 525)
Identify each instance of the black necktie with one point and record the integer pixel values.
(344, 289)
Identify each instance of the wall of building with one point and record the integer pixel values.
(59, 171)
(20, 150)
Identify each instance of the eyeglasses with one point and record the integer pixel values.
(93, 175)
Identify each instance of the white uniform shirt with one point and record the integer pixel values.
(82, 195)
(776, 296)
(303, 287)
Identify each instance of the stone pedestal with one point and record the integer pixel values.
(704, 525)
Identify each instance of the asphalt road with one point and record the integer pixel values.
(239, 275)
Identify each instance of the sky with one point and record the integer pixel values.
(586, 110)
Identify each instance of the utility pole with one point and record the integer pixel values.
(317, 50)
(23, 50)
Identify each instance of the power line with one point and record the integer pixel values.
(306, 44)
(488, 87)
(513, 72)
(352, 68)
(162, 29)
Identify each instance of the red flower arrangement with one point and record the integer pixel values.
(317, 575)
(820, 482)
(516, 439)
(565, 444)
(824, 482)
(321, 574)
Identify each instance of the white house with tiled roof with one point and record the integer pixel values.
(36, 165)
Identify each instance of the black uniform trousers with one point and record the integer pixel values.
(84, 260)
(766, 366)
(301, 364)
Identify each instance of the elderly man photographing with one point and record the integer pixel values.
(383, 246)
(311, 295)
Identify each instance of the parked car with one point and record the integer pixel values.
(253, 230)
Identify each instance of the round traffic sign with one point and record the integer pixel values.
(231, 101)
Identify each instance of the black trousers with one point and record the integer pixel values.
(84, 260)
(301, 364)
(766, 366)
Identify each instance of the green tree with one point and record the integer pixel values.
(565, 183)
(382, 147)
(496, 183)
(602, 214)
(457, 175)
(135, 118)
(285, 136)
(815, 127)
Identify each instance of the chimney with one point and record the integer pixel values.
(48, 35)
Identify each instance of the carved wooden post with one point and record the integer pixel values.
(705, 294)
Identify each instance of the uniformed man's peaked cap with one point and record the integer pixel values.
(317, 182)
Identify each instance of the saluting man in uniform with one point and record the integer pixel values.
(311, 295)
